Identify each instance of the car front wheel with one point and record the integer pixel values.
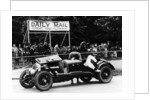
(105, 75)
(26, 80)
(43, 80)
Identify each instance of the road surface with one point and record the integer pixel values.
(65, 87)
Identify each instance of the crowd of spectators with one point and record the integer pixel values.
(46, 49)
(37, 49)
(104, 50)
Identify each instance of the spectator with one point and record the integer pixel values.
(105, 51)
(56, 49)
(64, 50)
(35, 48)
(26, 49)
(15, 50)
(32, 50)
(40, 49)
(95, 48)
(46, 48)
(68, 49)
(115, 52)
(15, 54)
(20, 50)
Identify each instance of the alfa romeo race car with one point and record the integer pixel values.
(48, 70)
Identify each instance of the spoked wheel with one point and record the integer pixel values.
(105, 75)
(26, 80)
(86, 78)
(43, 81)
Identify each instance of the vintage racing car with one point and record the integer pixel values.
(48, 70)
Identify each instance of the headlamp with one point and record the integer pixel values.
(36, 66)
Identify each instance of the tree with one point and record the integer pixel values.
(94, 29)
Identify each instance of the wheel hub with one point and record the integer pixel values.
(105, 74)
(44, 80)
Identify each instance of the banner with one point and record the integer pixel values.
(37, 25)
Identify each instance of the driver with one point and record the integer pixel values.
(72, 56)
(75, 56)
(91, 62)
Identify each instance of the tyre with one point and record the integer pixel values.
(86, 78)
(43, 80)
(105, 75)
(26, 80)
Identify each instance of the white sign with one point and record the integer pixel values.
(36, 25)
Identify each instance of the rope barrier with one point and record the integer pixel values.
(82, 53)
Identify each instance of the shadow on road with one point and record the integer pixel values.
(66, 87)
(77, 84)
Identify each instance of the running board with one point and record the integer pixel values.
(74, 73)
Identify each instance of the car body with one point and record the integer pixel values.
(52, 69)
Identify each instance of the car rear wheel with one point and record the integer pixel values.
(86, 78)
(105, 75)
(26, 80)
(43, 80)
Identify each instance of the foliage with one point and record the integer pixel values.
(93, 29)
